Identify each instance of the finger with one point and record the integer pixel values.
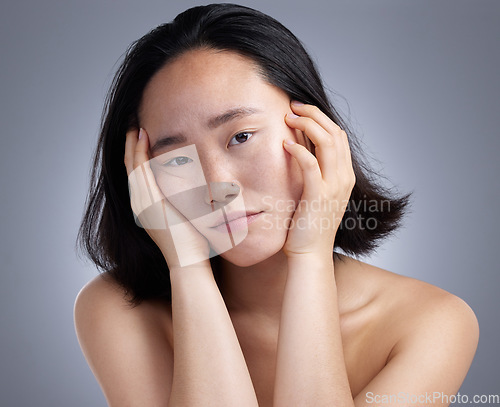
(347, 156)
(142, 161)
(315, 113)
(310, 168)
(141, 148)
(140, 195)
(323, 120)
(325, 144)
(351, 176)
(342, 148)
(130, 142)
(133, 189)
(144, 191)
(344, 162)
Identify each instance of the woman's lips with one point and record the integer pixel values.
(238, 223)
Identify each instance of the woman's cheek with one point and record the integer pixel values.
(184, 196)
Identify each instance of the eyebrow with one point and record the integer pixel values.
(229, 115)
(212, 123)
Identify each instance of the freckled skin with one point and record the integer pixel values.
(391, 326)
(201, 84)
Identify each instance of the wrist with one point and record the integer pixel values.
(308, 264)
(310, 260)
(306, 268)
(200, 268)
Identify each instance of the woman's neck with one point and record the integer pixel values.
(256, 289)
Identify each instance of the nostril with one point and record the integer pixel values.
(223, 192)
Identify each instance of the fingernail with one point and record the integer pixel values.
(297, 103)
(292, 115)
(290, 142)
(141, 133)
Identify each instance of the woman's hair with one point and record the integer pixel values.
(108, 233)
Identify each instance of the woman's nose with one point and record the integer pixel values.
(221, 192)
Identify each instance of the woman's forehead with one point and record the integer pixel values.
(195, 72)
(202, 84)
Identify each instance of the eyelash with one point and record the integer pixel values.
(239, 134)
(168, 163)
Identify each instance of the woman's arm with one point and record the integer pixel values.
(128, 351)
(426, 366)
(431, 357)
(209, 367)
(310, 362)
(206, 365)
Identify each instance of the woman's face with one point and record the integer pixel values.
(212, 120)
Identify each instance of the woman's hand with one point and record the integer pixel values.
(328, 182)
(180, 247)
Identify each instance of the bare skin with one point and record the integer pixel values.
(287, 326)
(385, 307)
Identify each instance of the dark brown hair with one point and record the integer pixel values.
(108, 233)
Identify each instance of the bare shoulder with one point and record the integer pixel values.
(418, 324)
(102, 298)
(126, 347)
(405, 298)
(101, 290)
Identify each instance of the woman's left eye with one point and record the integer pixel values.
(177, 162)
(240, 138)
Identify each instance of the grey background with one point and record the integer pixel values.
(421, 81)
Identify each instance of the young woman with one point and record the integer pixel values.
(224, 106)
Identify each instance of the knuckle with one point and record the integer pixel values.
(329, 142)
(307, 122)
(310, 163)
(314, 112)
(352, 180)
(313, 109)
(342, 134)
(309, 125)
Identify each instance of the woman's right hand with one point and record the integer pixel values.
(185, 246)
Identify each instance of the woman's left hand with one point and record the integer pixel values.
(328, 181)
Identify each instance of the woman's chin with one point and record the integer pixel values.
(246, 254)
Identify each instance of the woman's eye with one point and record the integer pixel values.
(177, 162)
(240, 138)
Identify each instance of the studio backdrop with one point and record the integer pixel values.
(417, 81)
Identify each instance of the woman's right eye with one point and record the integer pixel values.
(177, 161)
